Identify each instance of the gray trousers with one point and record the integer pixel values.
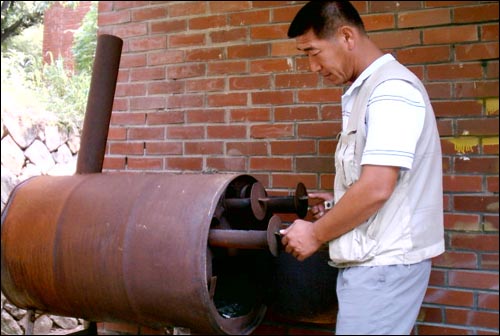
(380, 300)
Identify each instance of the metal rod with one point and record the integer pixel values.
(240, 239)
(99, 104)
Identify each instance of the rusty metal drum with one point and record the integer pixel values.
(133, 247)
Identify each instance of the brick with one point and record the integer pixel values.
(489, 32)
(247, 148)
(204, 54)
(112, 163)
(476, 242)
(131, 61)
(248, 51)
(271, 131)
(461, 108)
(185, 132)
(462, 183)
(270, 164)
(185, 40)
(441, 330)
(204, 148)
(185, 71)
(492, 183)
(391, 6)
(205, 116)
(391, 39)
(146, 103)
(284, 14)
(165, 57)
(187, 9)
(296, 80)
(163, 87)
(205, 22)
(489, 261)
(487, 300)
(476, 51)
(449, 297)
(461, 222)
(322, 129)
(292, 147)
(229, 35)
(430, 314)
(424, 18)
(167, 26)
(137, 74)
(424, 54)
(165, 118)
(272, 97)
(472, 318)
(226, 67)
(473, 279)
(228, 6)
(146, 133)
(290, 181)
(131, 30)
(112, 18)
(184, 163)
(454, 71)
(478, 13)
(124, 118)
(284, 48)
(249, 18)
(144, 163)
(249, 83)
(476, 89)
(147, 43)
(250, 114)
(183, 101)
(163, 148)
(226, 132)
(295, 113)
(319, 95)
(269, 32)
(483, 126)
(374, 22)
(227, 164)
(117, 133)
(453, 34)
(227, 99)
(482, 165)
(456, 259)
(133, 89)
(128, 148)
(269, 65)
(315, 164)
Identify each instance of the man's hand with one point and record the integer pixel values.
(299, 239)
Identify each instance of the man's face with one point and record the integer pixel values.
(328, 57)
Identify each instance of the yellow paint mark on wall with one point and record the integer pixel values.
(464, 144)
(490, 141)
(491, 106)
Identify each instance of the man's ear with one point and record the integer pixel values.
(347, 35)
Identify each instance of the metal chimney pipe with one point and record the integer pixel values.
(99, 104)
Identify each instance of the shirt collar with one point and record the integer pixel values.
(368, 71)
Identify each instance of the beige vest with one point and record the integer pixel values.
(409, 227)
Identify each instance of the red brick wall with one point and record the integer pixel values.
(217, 86)
(59, 26)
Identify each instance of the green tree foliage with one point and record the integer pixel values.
(51, 86)
(85, 41)
(19, 15)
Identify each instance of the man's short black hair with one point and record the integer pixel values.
(324, 18)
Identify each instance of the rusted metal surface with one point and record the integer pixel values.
(130, 247)
(99, 104)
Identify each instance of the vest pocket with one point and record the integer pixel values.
(353, 247)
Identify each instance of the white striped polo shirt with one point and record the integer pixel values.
(394, 119)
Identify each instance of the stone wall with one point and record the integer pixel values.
(30, 147)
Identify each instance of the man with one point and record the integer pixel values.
(387, 221)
